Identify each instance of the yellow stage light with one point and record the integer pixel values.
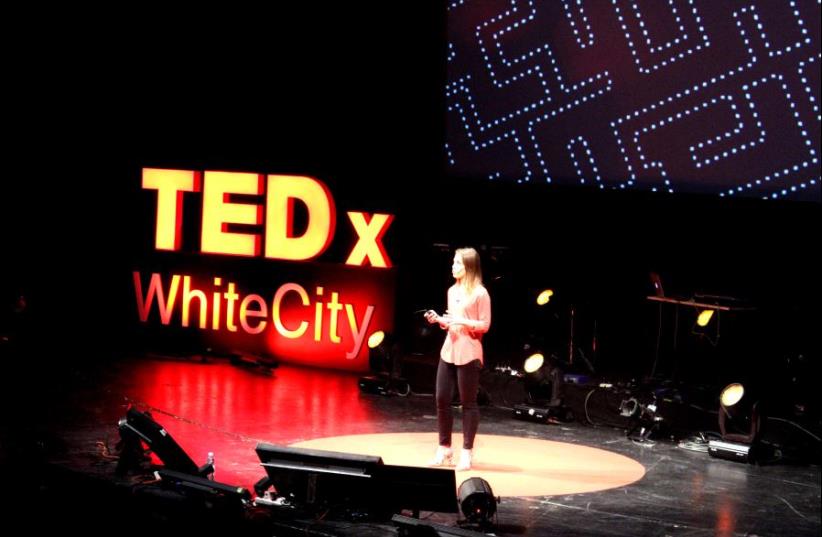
(544, 297)
(375, 339)
(732, 394)
(705, 317)
(533, 362)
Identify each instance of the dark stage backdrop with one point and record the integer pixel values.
(361, 101)
(716, 96)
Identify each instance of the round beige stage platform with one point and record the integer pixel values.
(513, 466)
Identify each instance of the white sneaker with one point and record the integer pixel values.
(443, 457)
(466, 458)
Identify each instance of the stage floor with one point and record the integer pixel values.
(566, 479)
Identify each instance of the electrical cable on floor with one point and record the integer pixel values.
(202, 425)
(588, 417)
(775, 449)
(105, 450)
(707, 411)
(585, 406)
(797, 426)
(699, 442)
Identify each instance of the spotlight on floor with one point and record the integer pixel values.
(544, 382)
(739, 425)
(384, 362)
(477, 501)
(543, 379)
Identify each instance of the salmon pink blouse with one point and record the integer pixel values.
(463, 343)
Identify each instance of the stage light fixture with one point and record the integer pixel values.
(544, 296)
(380, 357)
(704, 317)
(543, 378)
(706, 325)
(739, 425)
(477, 501)
(375, 339)
(731, 394)
(543, 381)
(533, 363)
(384, 362)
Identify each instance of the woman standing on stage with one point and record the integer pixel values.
(467, 318)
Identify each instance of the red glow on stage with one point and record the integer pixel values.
(331, 328)
(726, 518)
(227, 410)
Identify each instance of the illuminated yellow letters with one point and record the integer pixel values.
(218, 212)
(369, 244)
(170, 185)
(278, 298)
(283, 192)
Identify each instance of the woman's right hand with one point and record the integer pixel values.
(431, 316)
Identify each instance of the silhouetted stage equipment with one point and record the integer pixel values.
(739, 425)
(544, 389)
(384, 362)
(360, 485)
(641, 411)
(205, 488)
(419, 489)
(477, 501)
(706, 313)
(383, 385)
(246, 359)
(140, 433)
(537, 412)
(733, 451)
(414, 527)
(544, 379)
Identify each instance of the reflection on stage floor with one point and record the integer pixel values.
(566, 478)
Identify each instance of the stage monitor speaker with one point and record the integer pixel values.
(418, 489)
(323, 479)
(317, 478)
(140, 427)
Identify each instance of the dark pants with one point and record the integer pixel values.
(466, 377)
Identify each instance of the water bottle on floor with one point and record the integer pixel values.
(210, 461)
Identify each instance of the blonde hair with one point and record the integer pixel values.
(473, 270)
